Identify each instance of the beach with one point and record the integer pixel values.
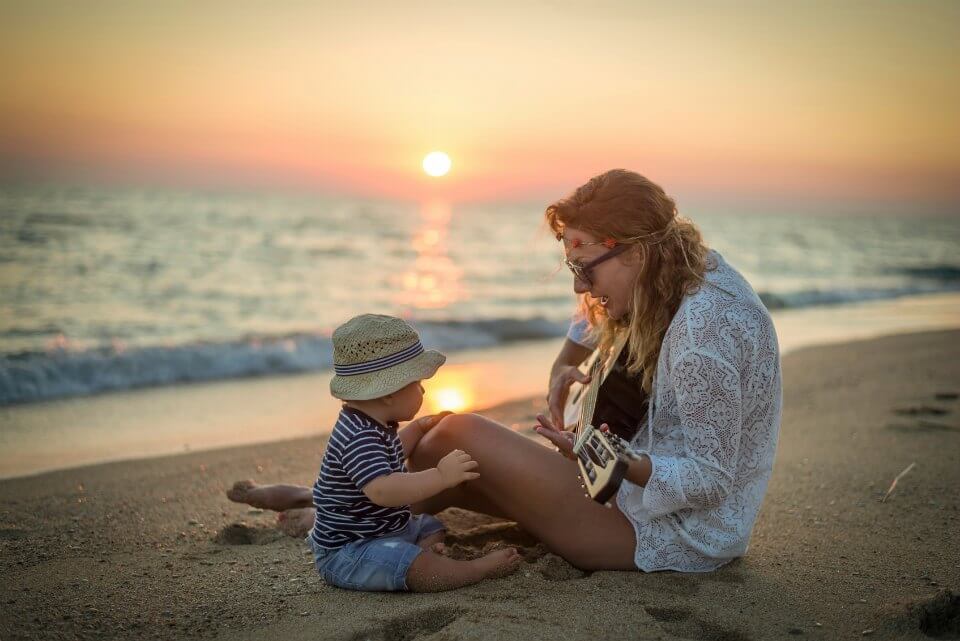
(151, 548)
(195, 199)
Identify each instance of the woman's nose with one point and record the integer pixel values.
(579, 287)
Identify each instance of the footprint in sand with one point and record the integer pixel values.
(682, 623)
(414, 625)
(12, 533)
(240, 534)
(946, 396)
(939, 617)
(923, 426)
(921, 410)
(553, 568)
(922, 414)
(936, 616)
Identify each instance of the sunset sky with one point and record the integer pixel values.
(846, 100)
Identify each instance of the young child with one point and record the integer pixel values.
(365, 536)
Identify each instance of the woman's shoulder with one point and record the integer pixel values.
(724, 298)
(723, 287)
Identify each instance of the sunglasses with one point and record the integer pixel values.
(582, 271)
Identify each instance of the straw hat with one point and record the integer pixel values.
(375, 355)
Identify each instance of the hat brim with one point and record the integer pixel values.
(364, 387)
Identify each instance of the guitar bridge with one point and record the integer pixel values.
(602, 466)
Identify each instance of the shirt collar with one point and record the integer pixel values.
(391, 426)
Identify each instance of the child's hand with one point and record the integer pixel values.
(455, 468)
(427, 423)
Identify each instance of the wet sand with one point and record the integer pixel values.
(152, 549)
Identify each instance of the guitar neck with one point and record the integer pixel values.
(587, 407)
(601, 366)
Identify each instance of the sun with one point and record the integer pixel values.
(436, 163)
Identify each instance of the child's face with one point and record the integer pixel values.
(407, 401)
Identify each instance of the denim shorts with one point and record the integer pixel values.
(378, 564)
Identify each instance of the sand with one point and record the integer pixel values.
(152, 549)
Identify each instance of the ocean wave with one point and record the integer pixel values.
(941, 273)
(815, 297)
(28, 377)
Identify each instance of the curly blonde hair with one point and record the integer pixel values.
(628, 208)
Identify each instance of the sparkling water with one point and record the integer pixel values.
(113, 289)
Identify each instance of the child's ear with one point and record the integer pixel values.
(388, 399)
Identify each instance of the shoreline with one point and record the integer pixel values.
(141, 424)
(152, 548)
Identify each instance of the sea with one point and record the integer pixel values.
(107, 289)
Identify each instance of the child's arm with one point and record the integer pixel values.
(404, 488)
(414, 431)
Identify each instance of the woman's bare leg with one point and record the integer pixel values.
(534, 486)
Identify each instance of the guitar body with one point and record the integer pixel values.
(602, 457)
(603, 465)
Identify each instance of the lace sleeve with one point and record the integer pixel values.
(707, 389)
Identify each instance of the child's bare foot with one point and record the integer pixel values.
(433, 572)
(434, 542)
(296, 522)
(240, 491)
(499, 563)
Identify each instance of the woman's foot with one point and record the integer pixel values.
(270, 497)
(296, 522)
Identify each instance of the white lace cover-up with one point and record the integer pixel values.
(711, 431)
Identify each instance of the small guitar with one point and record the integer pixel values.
(603, 457)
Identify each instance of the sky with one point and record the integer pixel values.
(849, 100)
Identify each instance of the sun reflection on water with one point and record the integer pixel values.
(433, 280)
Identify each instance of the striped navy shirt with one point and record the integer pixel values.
(360, 449)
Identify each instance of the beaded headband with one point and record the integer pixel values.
(610, 243)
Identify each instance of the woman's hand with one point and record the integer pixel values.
(563, 440)
(427, 423)
(561, 378)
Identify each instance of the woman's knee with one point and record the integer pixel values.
(452, 432)
(469, 432)
(449, 434)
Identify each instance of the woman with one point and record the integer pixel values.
(703, 352)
